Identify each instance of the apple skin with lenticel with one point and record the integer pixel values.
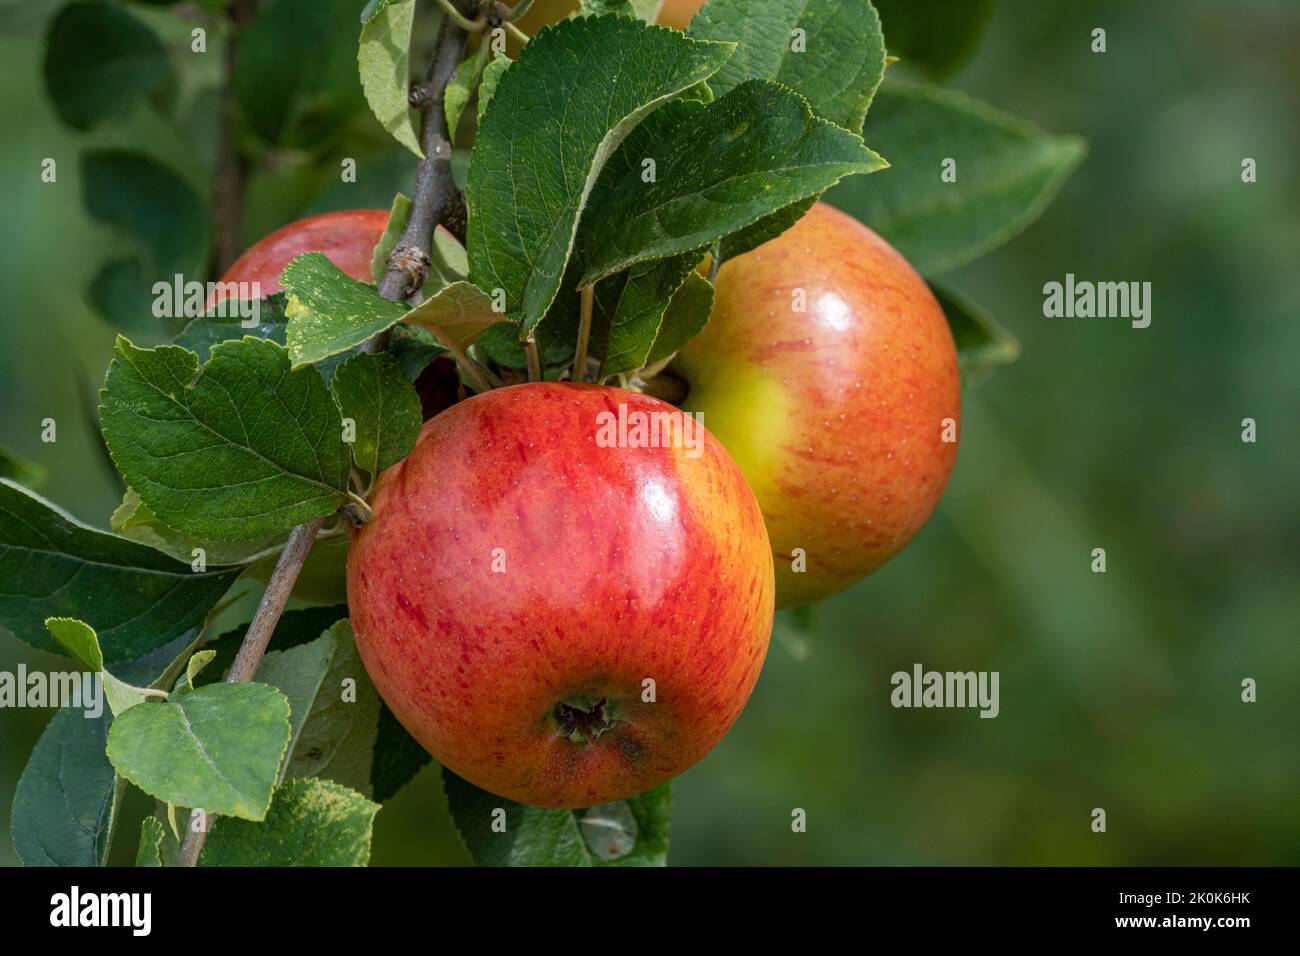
(557, 621)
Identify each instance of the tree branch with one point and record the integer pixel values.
(436, 198)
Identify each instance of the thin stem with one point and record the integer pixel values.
(517, 12)
(482, 379)
(584, 333)
(715, 262)
(515, 33)
(435, 199)
(534, 357)
(360, 507)
(260, 629)
(465, 23)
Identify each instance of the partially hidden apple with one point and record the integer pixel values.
(828, 370)
(678, 13)
(672, 13)
(560, 614)
(347, 237)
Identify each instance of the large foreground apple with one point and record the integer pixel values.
(828, 371)
(558, 621)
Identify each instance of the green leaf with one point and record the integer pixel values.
(375, 393)
(461, 86)
(119, 292)
(841, 62)
(491, 77)
(329, 311)
(414, 348)
(211, 328)
(333, 708)
(99, 62)
(448, 262)
(155, 214)
(556, 340)
(538, 837)
(51, 565)
(937, 36)
(565, 104)
(1007, 172)
(248, 449)
(218, 747)
(460, 310)
(194, 666)
(769, 227)
(687, 314)
(742, 157)
(982, 344)
(66, 798)
(133, 519)
(647, 10)
(19, 470)
(398, 757)
(311, 823)
(151, 837)
(628, 309)
(297, 77)
(397, 219)
(383, 59)
(80, 640)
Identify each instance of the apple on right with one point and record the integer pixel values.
(828, 370)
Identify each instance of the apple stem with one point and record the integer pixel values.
(465, 23)
(534, 357)
(515, 13)
(715, 262)
(584, 333)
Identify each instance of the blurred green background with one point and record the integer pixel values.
(1120, 690)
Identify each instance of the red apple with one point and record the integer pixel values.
(828, 371)
(557, 621)
(348, 238)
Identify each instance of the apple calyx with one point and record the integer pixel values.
(582, 721)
